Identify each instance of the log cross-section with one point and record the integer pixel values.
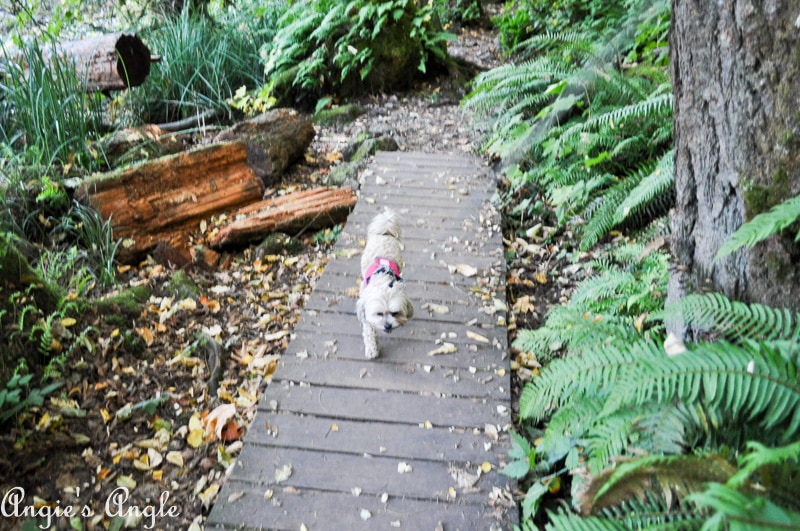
(114, 61)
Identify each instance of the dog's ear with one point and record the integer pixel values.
(408, 308)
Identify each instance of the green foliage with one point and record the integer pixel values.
(605, 307)
(739, 511)
(203, 63)
(763, 226)
(632, 399)
(522, 456)
(735, 321)
(520, 20)
(96, 236)
(51, 117)
(589, 132)
(11, 400)
(335, 47)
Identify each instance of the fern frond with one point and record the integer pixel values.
(733, 319)
(657, 183)
(762, 227)
(760, 456)
(738, 510)
(564, 521)
(755, 382)
(556, 384)
(671, 477)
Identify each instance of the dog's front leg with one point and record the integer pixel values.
(370, 341)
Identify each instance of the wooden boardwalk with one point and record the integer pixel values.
(410, 440)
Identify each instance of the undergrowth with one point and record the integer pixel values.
(626, 425)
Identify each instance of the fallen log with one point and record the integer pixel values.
(114, 61)
(291, 213)
(162, 201)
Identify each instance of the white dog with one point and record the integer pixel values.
(382, 301)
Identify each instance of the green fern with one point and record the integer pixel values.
(742, 511)
(756, 382)
(672, 477)
(658, 183)
(762, 226)
(734, 320)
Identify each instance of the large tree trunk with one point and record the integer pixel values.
(736, 79)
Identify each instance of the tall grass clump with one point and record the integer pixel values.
(204, 61)
(48, 116)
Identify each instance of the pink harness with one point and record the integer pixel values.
(382, 265)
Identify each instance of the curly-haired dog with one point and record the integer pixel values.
(382, 301)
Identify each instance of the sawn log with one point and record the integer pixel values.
(109, 62)
(305, 210)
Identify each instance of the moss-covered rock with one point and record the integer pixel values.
(181, 286)
(129, 302)
(277, 243)
(339, 114)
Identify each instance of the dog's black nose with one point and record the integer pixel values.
(387, 327)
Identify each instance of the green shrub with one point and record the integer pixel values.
(331, 47)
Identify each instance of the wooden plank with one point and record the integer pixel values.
(397, 350)
(378, 406)
(324, 325)
(399, 441)
(289, 509)
(398, 377)
(459, 314)
(344, 422)
(374, 474)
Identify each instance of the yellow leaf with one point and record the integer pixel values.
(477, 337)
(541, 277)
(175, 458)
(105, 414)
(195, 438)
(208, 495)
(446, 348)
(68, 321)
(486, 467)
(126, 482)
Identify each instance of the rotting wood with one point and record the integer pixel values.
(296, 212)
(114, 61)
(163, 200)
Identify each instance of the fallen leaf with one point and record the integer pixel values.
(436, 308)
(208, 495)
(464, 269)
(148, 461)
(283, 473)
(175, 458)
(477, 337)
(446, 348)
(216, 420)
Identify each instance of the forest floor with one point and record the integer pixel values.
(144, 440)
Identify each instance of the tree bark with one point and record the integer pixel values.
(164, 200)
(296, 212)
(736, 80)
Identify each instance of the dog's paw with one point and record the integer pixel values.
(371, 352)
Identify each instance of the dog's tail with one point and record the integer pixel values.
(385, 224)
